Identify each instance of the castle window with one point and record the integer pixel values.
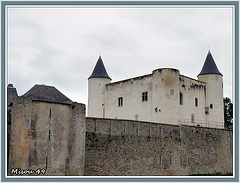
(49, 134)
(120, 101)
(196, 102)
(50, 113)
(181, 99)
(172, 92)
(207, 110)
(144, 96)
(211, 106)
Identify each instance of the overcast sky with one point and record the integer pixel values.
(60, 46)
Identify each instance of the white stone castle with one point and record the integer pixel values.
(164, 96)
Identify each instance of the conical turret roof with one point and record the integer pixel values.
(99, 70)
(209, 66)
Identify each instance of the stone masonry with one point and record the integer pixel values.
(124, 147)
(47, 136)
(58, 138)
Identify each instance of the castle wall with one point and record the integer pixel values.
(131, 90)
(191, 90)
(19, 139)
(164, 87)
(124, 147)
(47, 136)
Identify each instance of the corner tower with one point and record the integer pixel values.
(214, 91)
(96, 87)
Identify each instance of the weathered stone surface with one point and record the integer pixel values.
(20, 140)
(172, 150)
(60, 139)
(48, 136)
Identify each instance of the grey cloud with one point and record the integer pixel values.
(110, 37)
(60, 47)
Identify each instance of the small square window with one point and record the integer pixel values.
(211, 106)
(120, 101)
(144, 96)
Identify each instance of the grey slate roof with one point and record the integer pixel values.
(209, 66)
(11, 93)
(45, 93)
(99, 70)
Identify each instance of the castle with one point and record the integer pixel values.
(133, 127)
(165, 96)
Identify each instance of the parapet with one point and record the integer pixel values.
(160, 70)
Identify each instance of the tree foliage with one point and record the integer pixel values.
(228, 113)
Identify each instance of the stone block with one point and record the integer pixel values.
(91, 125)
(155, 130)
(144, 129)
(131, 128)
(117, 127)
(103, 126)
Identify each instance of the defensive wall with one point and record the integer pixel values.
(125, 147)
(60, 139)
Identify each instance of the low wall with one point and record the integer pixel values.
(124, 147)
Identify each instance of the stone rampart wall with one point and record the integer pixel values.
(124, 147)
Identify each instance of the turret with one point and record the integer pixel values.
(214, 92)
(96, 87)
(165, 87)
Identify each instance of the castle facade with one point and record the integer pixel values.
(164, 96)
